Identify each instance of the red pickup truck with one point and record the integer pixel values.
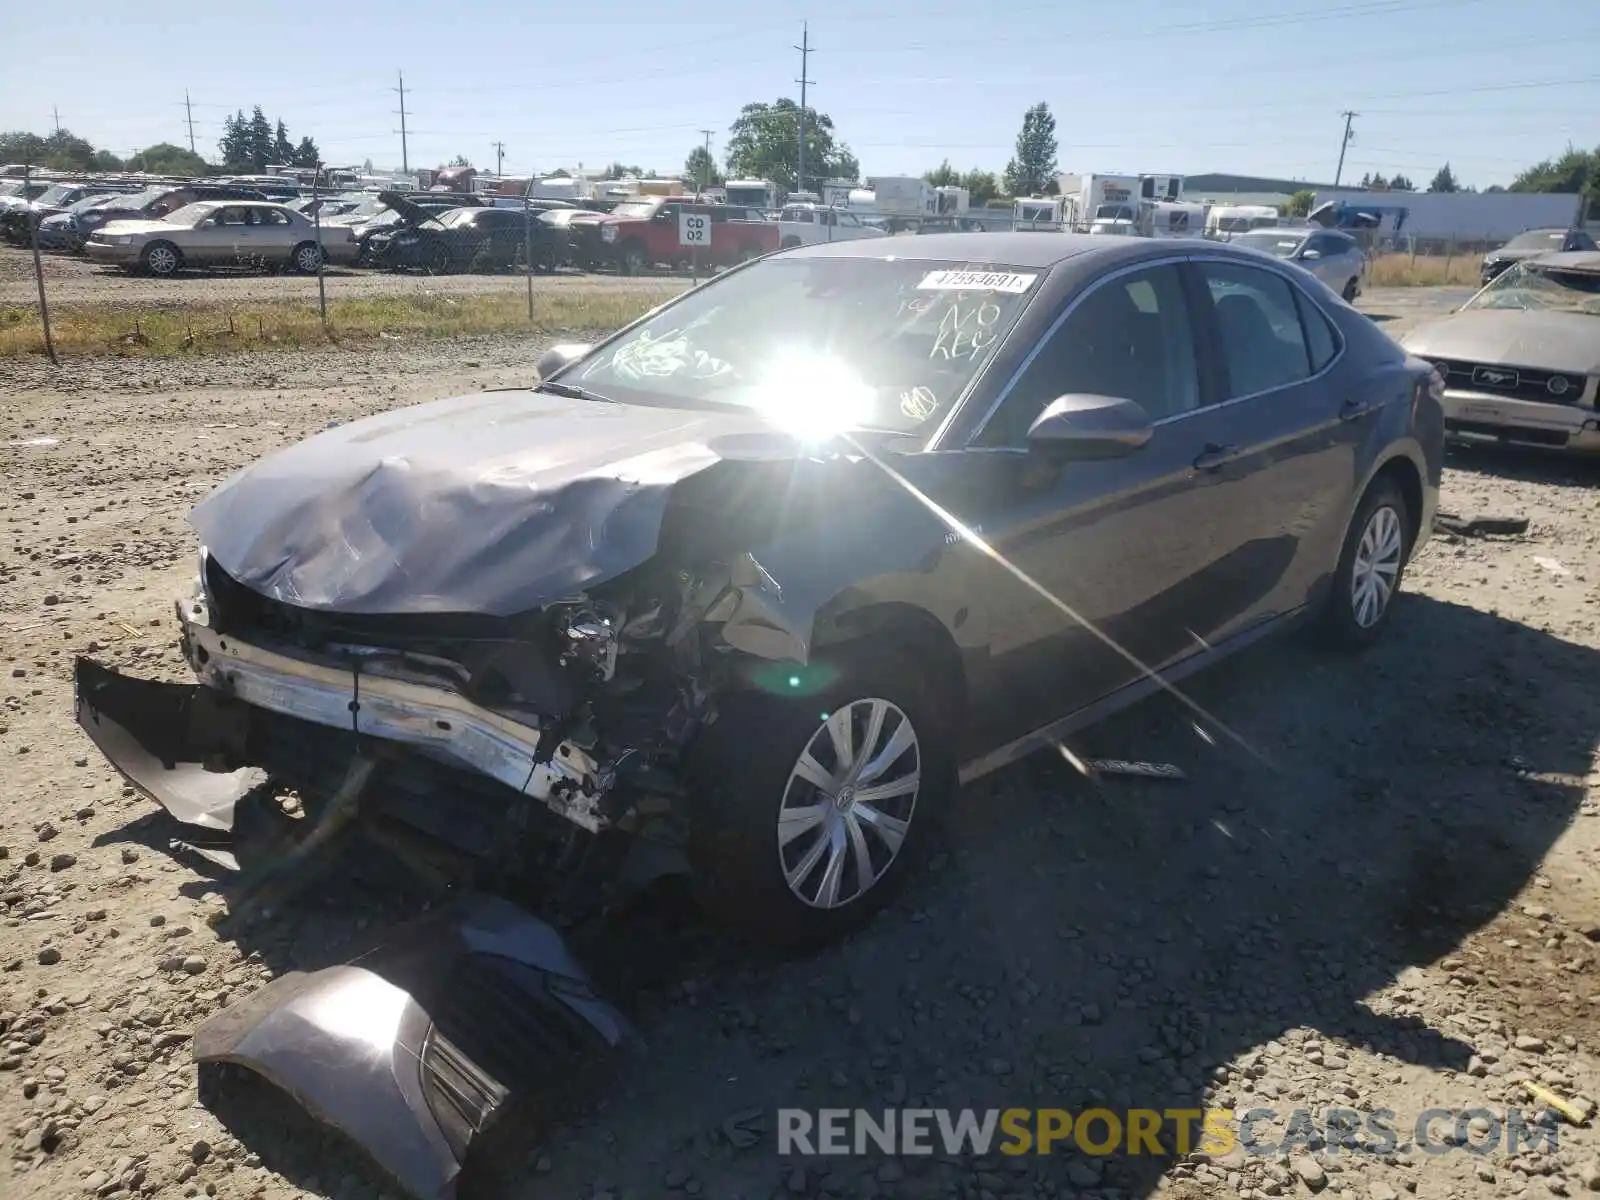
(638, 234)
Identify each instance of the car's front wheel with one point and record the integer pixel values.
(1371, 565)
(808, 809)
(1351, 291)
(161, 259)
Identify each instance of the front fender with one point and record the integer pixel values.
(417, 1049)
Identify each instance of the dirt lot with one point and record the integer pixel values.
(1394, 907)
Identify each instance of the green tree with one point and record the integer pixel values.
(1033, 170)
(1300, 203)
(981, 186)
(306, 154)
(61, 151)
(1401, 184)
(460, 160)
(944, 175)
(261, 139)
(282, 147)
(104, 160)
(1575, 171)
(700, 168)
(618, 170)
(1444, 180)
(763, 143)
(166, 159)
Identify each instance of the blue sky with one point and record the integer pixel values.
(1488, 85)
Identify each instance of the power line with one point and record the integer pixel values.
(805, 60)
(405, 159)
(1344, 144)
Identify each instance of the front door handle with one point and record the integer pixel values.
(1353, 409)
(1215, 455)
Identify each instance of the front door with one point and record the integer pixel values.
(1094, 562)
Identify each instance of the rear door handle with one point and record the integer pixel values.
(1214, 456)
(1354, 410)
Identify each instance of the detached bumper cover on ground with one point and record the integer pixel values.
(417, 1049)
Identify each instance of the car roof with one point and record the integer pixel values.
(1007, 249)
(1571, 260)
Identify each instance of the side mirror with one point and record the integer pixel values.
(1308, 255)
(553, 359)
(1083, 427)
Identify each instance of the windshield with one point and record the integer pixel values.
(635, 210)
(1542, 288)
(1279, 245)
(1538, 239)
(56, 194)
(1113, 212)
(820, 345)
(754, 196)
(457, 216)
(88, 202)
(190, 214)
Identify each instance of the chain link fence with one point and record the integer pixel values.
(129, 264)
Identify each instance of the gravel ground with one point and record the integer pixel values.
(1394, 906)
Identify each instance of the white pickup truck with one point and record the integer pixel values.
(808, 224)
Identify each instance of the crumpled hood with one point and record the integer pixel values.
(493, 503)
(1550, 341)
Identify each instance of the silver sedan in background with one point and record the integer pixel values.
(218, 233)
(1335, 258)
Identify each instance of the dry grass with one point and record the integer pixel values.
(1402, 270)
(210, 328)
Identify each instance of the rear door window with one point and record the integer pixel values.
(1263, 343)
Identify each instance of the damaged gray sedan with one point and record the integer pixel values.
(749, 587)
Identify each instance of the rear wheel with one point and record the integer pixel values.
(161, 259)
(809, 809)
(1371, 566)
(1351, 291)
(437, 260)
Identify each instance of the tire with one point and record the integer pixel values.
(437, 260)
(632, 259)
(306, 258)
(1351, 291)
(544, 260)
(1379, 533)
(161, 259)
(743, 772)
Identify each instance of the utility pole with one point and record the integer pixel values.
(805, 60)
(705, 164)
(499, 157)
(1344, 144)
(55, 114)
(188, 112)
(405, 160)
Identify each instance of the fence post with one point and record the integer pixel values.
(1449, 256)
(316, 218)
(38, 267)
(527, 238)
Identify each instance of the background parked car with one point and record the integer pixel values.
(1531, 244)
(59, 231)
(1521, 359)
(214, 234)
(15, 222)
(153, 203)
(464, 239)
(1333, 257)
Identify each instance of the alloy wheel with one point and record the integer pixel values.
(308, 259)
(1376, 567)
(848, 803)
(161, 260)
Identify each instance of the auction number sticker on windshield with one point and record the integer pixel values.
(975, 281)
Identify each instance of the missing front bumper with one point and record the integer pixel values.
(188, 747)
